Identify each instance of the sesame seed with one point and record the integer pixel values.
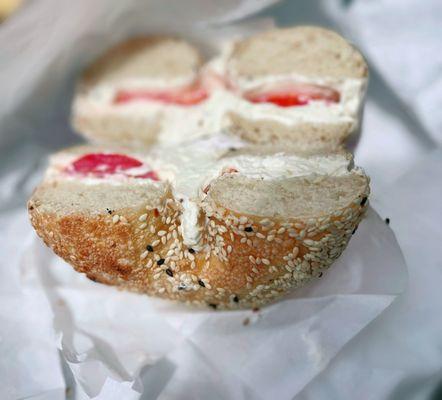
(115, 219)
(281, 231)
(260, 235)
(255, 270)
(143, 255)
(155, 243)
(243, 240)
(161, 290)
(264, 221)
(265, 261)
(252, 259)
(192, 265)
(143, 226)
(243, 220)
(161, 233)
(152, 229)
(157, 275)
(270, 238)
(142, 218)
(249, 243)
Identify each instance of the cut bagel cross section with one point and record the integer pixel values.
(266, 223)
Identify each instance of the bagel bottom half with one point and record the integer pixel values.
(259, 238)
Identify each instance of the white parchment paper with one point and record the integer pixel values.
(117, 342)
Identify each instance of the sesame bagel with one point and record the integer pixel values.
(215, 229)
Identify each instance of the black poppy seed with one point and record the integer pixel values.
(201, 283)
(354, 230)
(236, 299)
(387, 221)
(191, 250)
(213, 305)
(248, 229)
(109, 211)
(255, 309)
(149, 248)
(169, 272)
(181, 287)
(364, 200)
(320, 274)
(233, 148)
(160, 261)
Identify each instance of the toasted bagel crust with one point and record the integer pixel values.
(247, 260)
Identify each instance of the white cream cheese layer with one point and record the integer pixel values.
(352, 92)
(190, 168)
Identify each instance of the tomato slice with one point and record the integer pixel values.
(149, 175)
(188, 96)
(101, 164)
(292, 95)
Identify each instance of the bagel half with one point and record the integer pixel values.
(315, 69)
(239, 233)
(301, 86)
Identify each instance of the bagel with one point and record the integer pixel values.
(204, 224)
(303, 86)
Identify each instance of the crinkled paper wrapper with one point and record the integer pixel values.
(120, 344)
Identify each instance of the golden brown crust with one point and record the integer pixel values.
(246, 261)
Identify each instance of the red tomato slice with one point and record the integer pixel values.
(100, 164)
(294, 95)
(149, 175)
(183, 97)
